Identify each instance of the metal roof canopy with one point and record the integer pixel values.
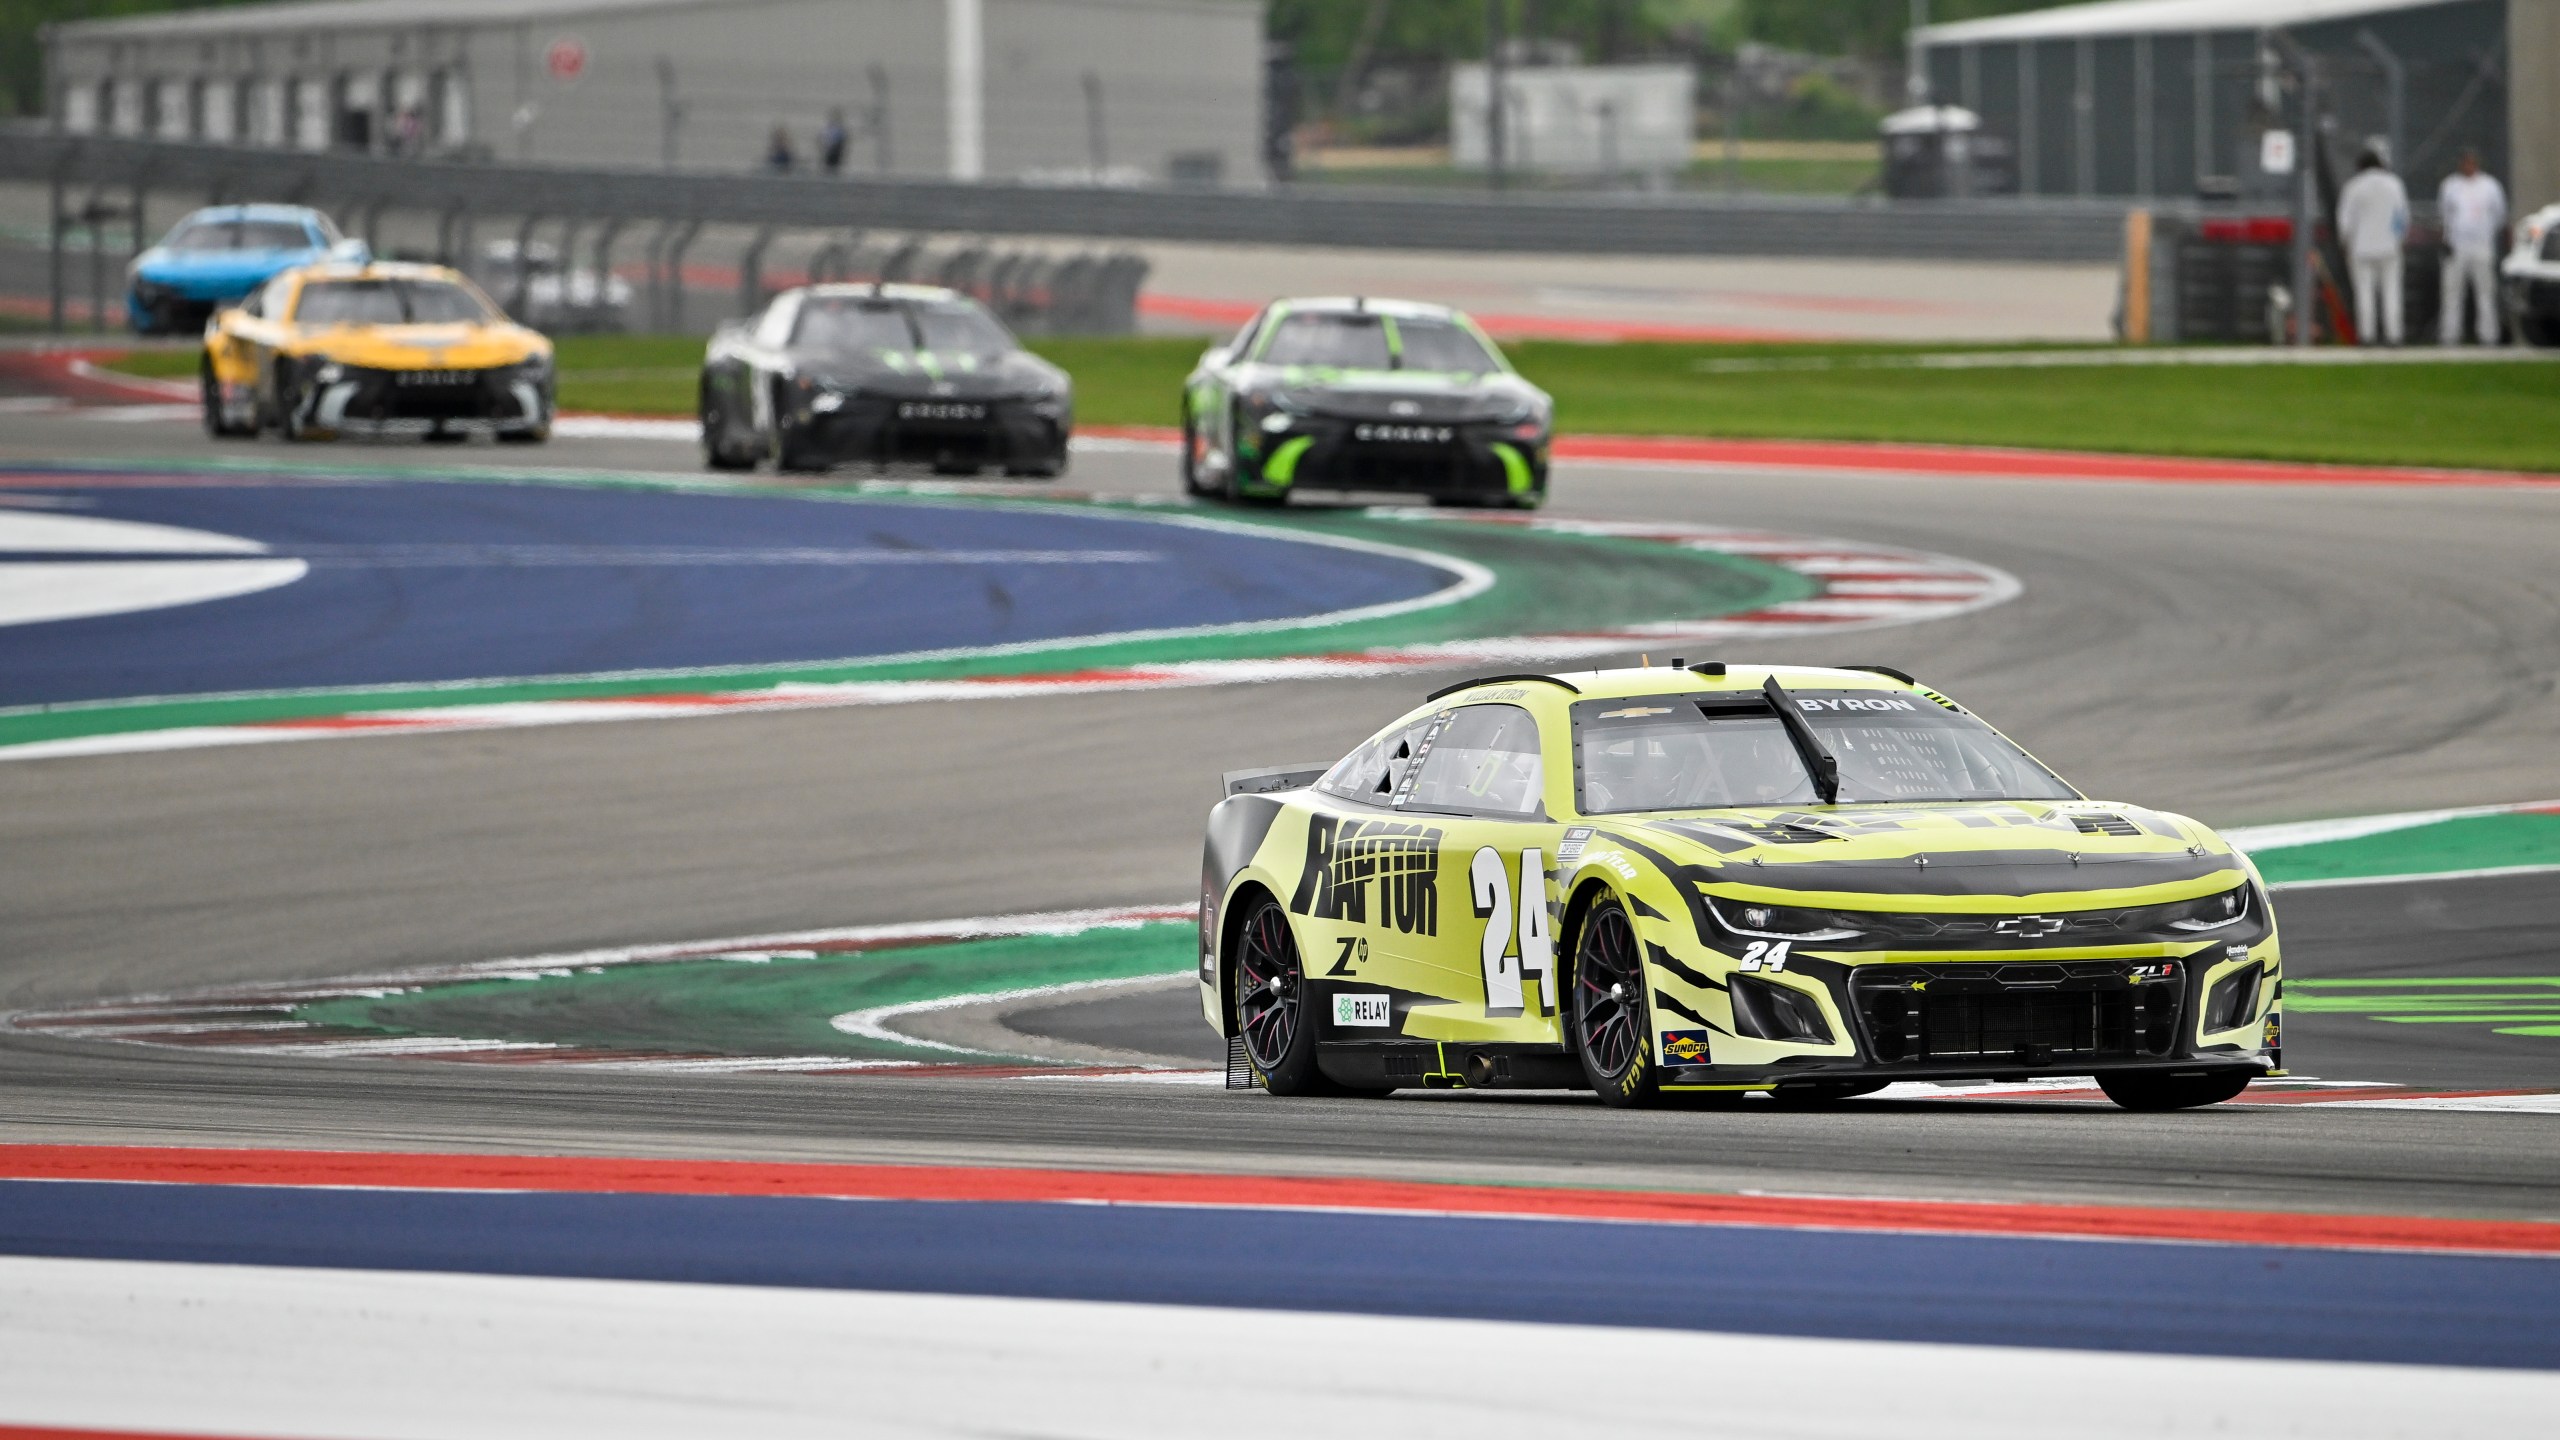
(2156, 17)
(293, 15)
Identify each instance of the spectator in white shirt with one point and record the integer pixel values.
(2373, 218)
(2474, 206)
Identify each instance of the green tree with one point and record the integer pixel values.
(22, 52)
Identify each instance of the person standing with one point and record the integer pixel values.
(2474, 207)
(831, 142)
(778, 155)
(2373, 219)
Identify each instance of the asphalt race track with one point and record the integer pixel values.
(2246, 653)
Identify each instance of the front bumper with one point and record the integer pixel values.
(1467, 459)
(1965, 1017)
(1009, 433)
(500, 400)
(153, 309)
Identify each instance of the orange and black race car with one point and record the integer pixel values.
(374, 349)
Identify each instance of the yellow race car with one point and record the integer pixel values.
(1708, 880)
(376, 349)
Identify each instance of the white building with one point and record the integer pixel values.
(1131, 89)
(1576, 119)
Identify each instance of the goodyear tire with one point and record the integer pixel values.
(215, 424)
(1612, 1022)
(2173, 1092)
(717, 452)
(1270, 1004)
(1191, 457)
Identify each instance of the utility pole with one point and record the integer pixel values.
(2306, 191)
(670, 111)
(1915, 79)
(1497, 102)
(965, 56)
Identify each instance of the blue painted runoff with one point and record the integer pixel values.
(414, 582)
(2194, 1299)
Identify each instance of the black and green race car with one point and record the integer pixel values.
(1364, 395)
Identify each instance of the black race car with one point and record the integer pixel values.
(1358, 394)
(881, 375)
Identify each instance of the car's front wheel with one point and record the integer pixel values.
(2174, 1092)
(217, 420)
(1612, 1025)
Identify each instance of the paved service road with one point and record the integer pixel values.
(2242, 653)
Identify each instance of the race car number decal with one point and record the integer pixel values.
(1510, 957)
(1766, 955)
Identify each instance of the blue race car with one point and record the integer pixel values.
(217, 255)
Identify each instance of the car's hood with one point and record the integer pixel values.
(928, 375)
(227, 268)
(1405, 394)
(422, 347)
(1869, 856)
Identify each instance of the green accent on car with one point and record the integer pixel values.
(1282, 467)
(2509, 1004)
(1515, 467)
(756, 1003)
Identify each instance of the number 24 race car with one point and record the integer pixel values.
(1703, 881)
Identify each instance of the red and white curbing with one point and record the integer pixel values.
(1857, 586)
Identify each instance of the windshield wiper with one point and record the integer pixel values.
(1825, 768)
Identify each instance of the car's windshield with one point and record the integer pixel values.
(1675, 752)
(387, 302)
(201, 236)
(863, 325)
(959, 327)
(1333, 342)
(1440, 345)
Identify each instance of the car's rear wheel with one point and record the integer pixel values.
(2174, 1092)
(1270, 1000)
(1612, 1025)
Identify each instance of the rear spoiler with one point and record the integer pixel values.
(1273, 778)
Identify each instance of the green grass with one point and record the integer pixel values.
(2486, 416)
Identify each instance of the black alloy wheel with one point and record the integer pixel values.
(2174, 1092)
(1612, 1025)
(1271, 1010)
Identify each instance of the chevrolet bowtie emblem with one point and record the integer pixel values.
(2031, 927)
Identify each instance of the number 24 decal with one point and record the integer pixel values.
(1504, 968)
(1766, 955)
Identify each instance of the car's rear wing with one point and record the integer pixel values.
(1274, 777)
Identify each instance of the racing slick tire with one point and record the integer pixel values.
(792, 458)
(1612, 1024)
(289, 421)
(2174, 1092)
(215, 424)
(1270, 1006)
(1191, 458)
(717, 453)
